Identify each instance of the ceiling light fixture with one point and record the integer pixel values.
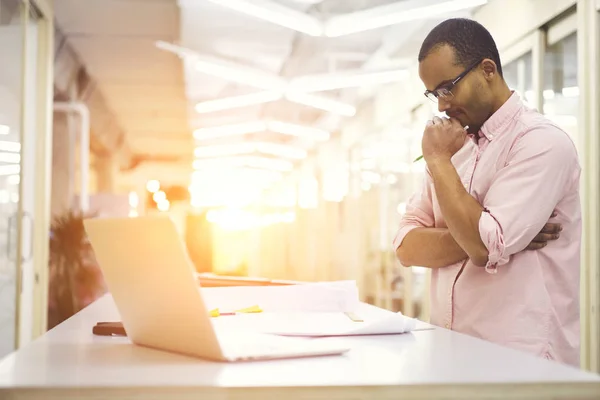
(181, 51)
(240, 74)
(245, 128)
(14, 147)
(276, 14)
(344, 80)
(278, 150)
(310, 133)
(319, 102)
(346, 24)
(12, 158)
(221, 150)
(322, 103)
(229, 130)
(246, 100)
(272, 164)
(11, 169)
(392, 14)
(275, 87)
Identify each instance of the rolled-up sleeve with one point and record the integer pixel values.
(419, 212)
(493, 238)
(541, 168)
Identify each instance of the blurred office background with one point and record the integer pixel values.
(279, 135)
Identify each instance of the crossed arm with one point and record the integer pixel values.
(512, 218)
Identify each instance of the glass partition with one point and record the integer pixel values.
(518, 74)
(11, 47)
(561, 90)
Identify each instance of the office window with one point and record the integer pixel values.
(11, 45)
(561, 90)
(518, 76)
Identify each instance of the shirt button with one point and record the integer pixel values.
(447, 326)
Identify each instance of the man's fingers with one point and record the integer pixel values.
(554, 214)
(552, 228)
(549, 232)
(437, 120)
(536, 245)
(454, 121)
(545, 237)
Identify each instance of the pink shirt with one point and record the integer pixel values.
(521, 169)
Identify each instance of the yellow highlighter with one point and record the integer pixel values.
(248, 310)
(253, 309)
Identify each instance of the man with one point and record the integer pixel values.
(497, 172)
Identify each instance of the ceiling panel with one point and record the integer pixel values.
(153, 92)
(114, 18)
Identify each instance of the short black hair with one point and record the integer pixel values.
(470, 40)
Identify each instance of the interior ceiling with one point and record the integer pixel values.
(153, 93)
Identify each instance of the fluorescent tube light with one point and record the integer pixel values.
(227, 70)
(12, 158)
(322, 103)
(391, 14)
(14, 147)
(239, 73)
(276, 87)
(12, 169)
(260, 126)
(246, 100)
(298, 130)
(4, 129)
(571, 91)
(234, 176)
(275, 13)
(310, 100)
(229, 130)
(181, 51)
(278, 150)
(221, 150)
(343, 80)
(272, 164)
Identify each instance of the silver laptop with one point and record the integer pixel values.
(152, 280)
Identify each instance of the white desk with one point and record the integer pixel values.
(69, 362)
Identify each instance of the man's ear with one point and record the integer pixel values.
(489, 68)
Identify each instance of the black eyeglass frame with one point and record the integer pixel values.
(436, 93)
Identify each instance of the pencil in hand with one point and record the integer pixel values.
(420, 157)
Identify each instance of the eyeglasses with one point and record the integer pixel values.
(444, 91)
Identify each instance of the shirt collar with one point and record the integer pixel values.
(493, 126)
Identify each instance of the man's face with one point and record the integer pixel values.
(471, 98)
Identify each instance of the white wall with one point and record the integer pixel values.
(510, 20)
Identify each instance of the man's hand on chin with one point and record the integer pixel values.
(442, 138)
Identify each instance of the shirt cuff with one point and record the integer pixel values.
(402, 232)
(491, 234)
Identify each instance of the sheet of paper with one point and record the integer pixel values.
(314, 324)
(336, 296)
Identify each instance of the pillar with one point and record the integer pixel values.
(62, 165)
(589, 145)
(106, 168)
